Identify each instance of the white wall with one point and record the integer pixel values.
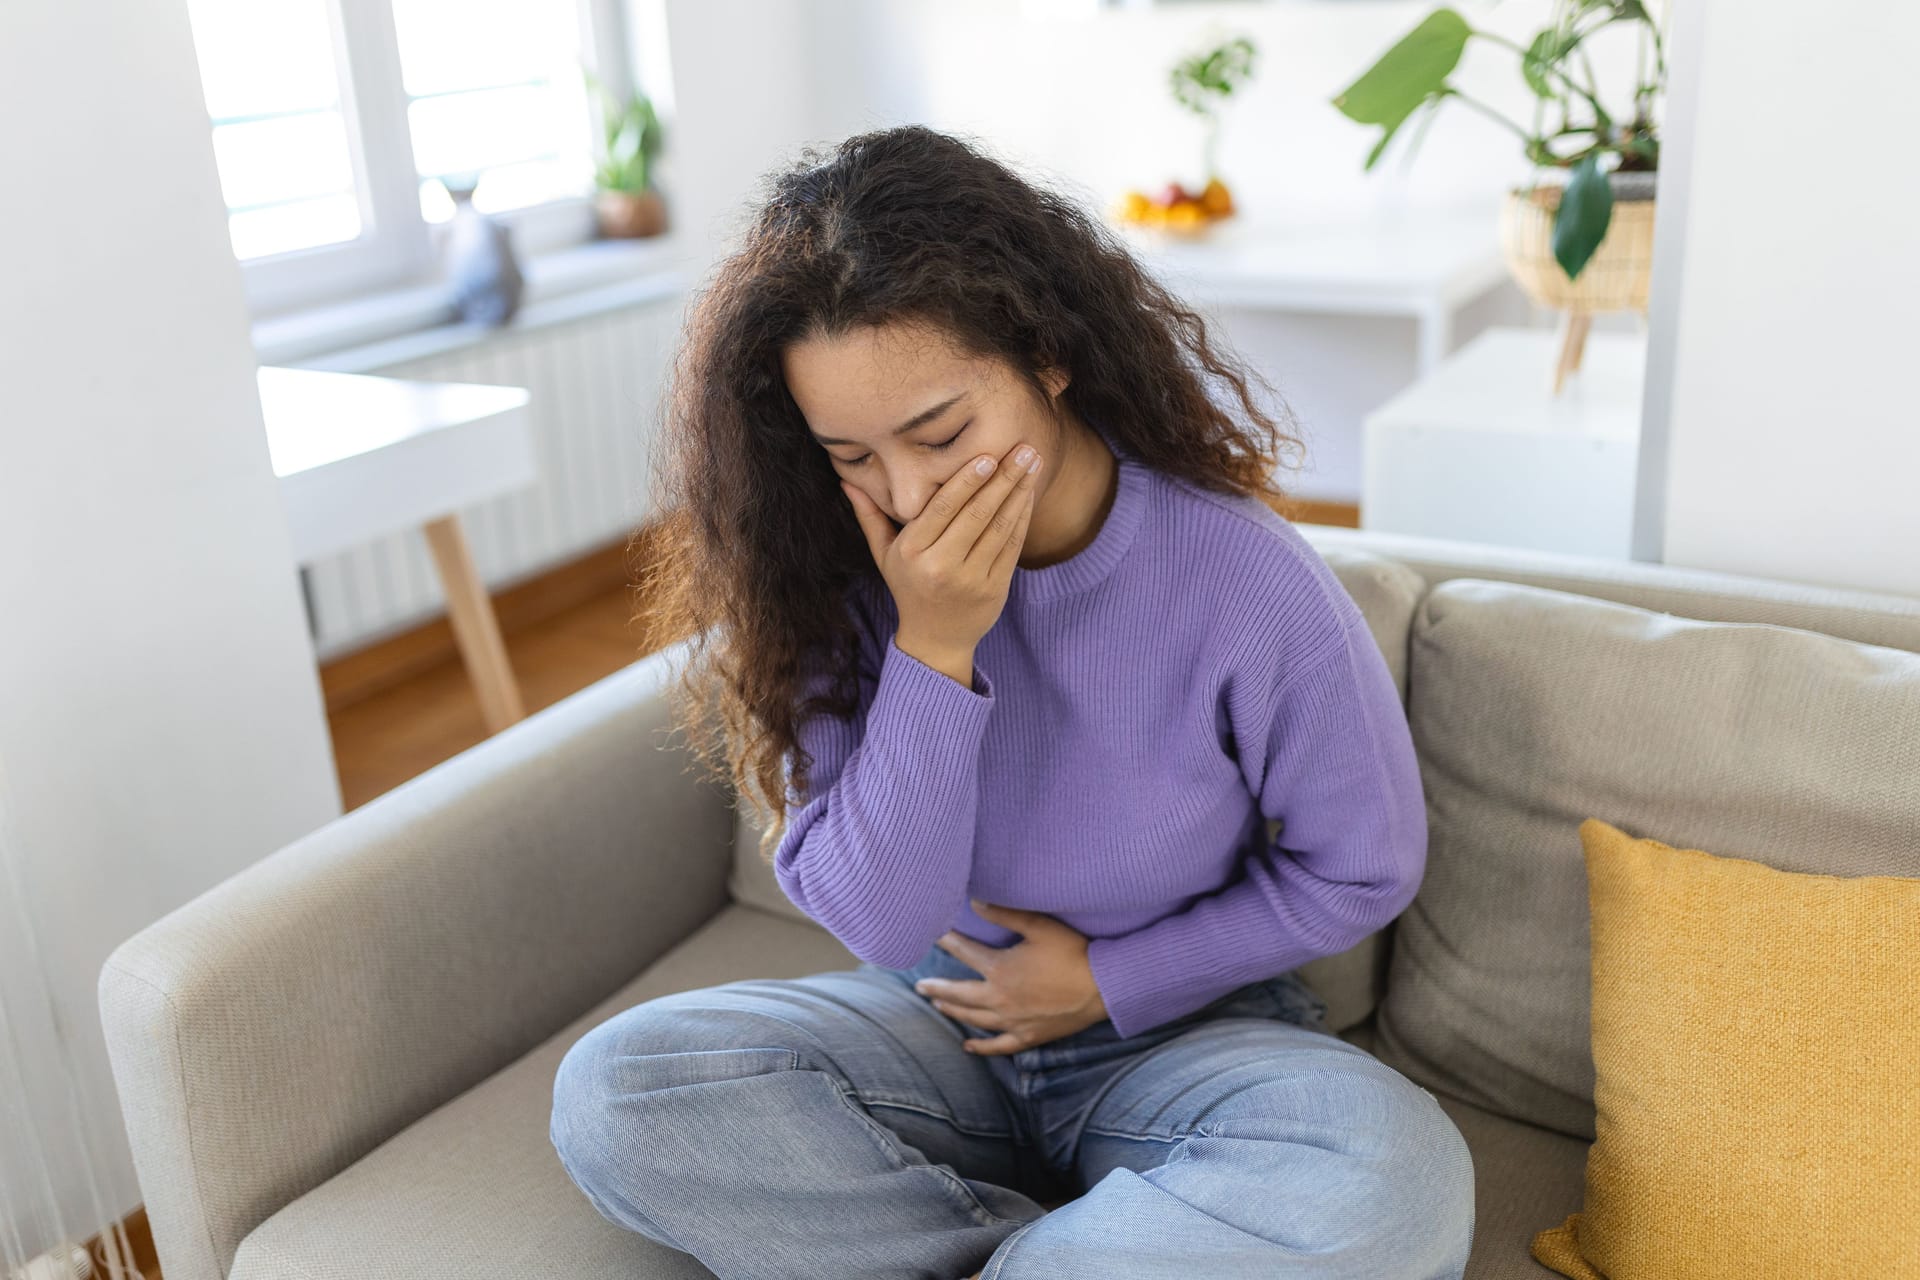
(1084, 95)
(1078, 97)
(1780, 402)
(161, 722)
(743, 97)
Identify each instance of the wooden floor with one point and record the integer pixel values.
(396, 733)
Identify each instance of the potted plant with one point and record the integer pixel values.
(1583, 244)
(1202, 83)
(625, 201)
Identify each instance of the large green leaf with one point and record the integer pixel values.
(1406, 75)
(1586, 206)
(1544, 54)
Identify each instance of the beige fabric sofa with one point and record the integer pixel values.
(338, 1064)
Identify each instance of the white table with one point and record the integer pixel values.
(1482, 450)
(1423, 264)
(360, 457)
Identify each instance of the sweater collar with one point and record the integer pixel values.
(1090, 565)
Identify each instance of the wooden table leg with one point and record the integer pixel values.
(1574, 327)
(475, 628)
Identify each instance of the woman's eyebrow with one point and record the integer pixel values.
(919, 419)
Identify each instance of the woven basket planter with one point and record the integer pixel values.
(1615, 278)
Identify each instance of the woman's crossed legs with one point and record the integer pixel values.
(832, 1125)
(828, 1125)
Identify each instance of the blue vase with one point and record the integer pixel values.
(482, 273)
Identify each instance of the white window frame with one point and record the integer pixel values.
(399, 251)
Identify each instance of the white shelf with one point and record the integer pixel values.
(1481, 450)
(1422, 264)
(1402, 266)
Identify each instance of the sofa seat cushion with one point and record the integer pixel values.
(1523, 1175)
(474, 1190)
(1534, 710)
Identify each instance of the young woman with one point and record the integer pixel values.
(991, 594)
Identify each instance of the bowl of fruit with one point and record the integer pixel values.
(1175, 210)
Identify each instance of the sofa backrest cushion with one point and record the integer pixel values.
(1870, 617)
(1386, 592)
(1533, 709)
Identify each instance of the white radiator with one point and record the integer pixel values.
(594, 384)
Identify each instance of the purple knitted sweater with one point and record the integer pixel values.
(1137, 714)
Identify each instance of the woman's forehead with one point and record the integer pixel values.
(861, 389)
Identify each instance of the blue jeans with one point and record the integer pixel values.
(831, 1125)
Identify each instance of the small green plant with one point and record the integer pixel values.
(631, 139)
(1413, 73)
(1204, 81)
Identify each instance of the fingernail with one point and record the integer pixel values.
(984, 466)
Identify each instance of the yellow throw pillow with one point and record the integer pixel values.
(1756, 1052)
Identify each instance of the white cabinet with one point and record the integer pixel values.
(1481, 450)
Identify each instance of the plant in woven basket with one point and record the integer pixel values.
(1557, 69)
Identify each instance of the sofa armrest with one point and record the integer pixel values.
(273, 1030)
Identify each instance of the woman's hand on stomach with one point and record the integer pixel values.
(1040, 988)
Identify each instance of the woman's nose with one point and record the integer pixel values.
(910, 499)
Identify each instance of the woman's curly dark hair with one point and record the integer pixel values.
(759, 546)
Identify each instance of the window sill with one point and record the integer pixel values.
(406, 324)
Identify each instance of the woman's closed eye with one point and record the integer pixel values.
(936, 446)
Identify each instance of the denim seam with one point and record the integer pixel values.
(1237, 1228)
(1005, 1249)
(885, 1137)
(888, 1142)
(879, 1027)
(1174, 1137)
(1107, 1086)
(944, 1117)
(1200, 1121)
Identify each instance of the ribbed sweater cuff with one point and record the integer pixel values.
(1188, 960)
(941, 692)
(1143, 986)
